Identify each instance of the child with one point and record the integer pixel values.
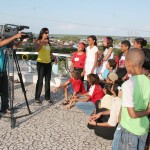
(139, 43)
(132, 131)
(108, 52)
(95, 93)
(110, 67)
(146, 71)
(146, 65)
(91, 57)
(100, 55)
(78, 59)
(121, 69)
(111, 78)
(106, 101)
(98, 68)
(77, 86)
(106, 119)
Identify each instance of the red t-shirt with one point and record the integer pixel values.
(78, 60)
(77, 85)
(95, 93)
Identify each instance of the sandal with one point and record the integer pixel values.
(65, 102)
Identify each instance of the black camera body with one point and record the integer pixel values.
(26, 35)
(9, 30)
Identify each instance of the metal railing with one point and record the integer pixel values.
(63, 63)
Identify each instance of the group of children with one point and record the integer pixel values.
(117, 95)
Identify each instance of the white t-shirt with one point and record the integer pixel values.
(90, 59)
(128, 87)
(106, 101)
(115, 111)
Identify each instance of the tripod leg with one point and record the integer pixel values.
(11, 99)
(10, 88)
(21, 81)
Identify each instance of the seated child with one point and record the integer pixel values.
(111, 78)
(95, 93)
(105, 120)
(106, 101)
(77, 86)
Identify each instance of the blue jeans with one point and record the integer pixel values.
(86, 107)
(70, 89)
(125, 140)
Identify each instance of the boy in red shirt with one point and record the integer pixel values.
(77, 86)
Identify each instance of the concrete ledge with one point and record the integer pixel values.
(32, 78)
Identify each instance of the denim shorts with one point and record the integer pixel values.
(86, 107)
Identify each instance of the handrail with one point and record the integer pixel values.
(36, 53)
(58, 56)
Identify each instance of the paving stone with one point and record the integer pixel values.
(49, 127)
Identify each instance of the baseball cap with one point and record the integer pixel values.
(113, 76)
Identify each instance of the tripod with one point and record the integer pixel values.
(10, 59)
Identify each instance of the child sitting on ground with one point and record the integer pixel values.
(95, 93)
(111, 78)
(77, 86)
(105, 121)
(106, 101)
(133, 129)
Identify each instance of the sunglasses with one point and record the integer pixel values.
(46, 33)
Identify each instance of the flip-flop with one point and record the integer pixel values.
(65, 102)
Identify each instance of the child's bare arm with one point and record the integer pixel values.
(63, 85)
(138, 114)
(86, 94)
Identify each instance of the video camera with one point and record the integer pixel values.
(9, 30)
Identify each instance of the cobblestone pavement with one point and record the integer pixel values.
(49, 127)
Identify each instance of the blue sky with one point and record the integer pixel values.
(99, 17)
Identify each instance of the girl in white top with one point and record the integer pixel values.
(108, 52)
(91, 57)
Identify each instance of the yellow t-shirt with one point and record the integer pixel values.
(44, 54)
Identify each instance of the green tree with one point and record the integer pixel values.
(75, 39)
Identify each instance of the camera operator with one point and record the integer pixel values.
(3, 77)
